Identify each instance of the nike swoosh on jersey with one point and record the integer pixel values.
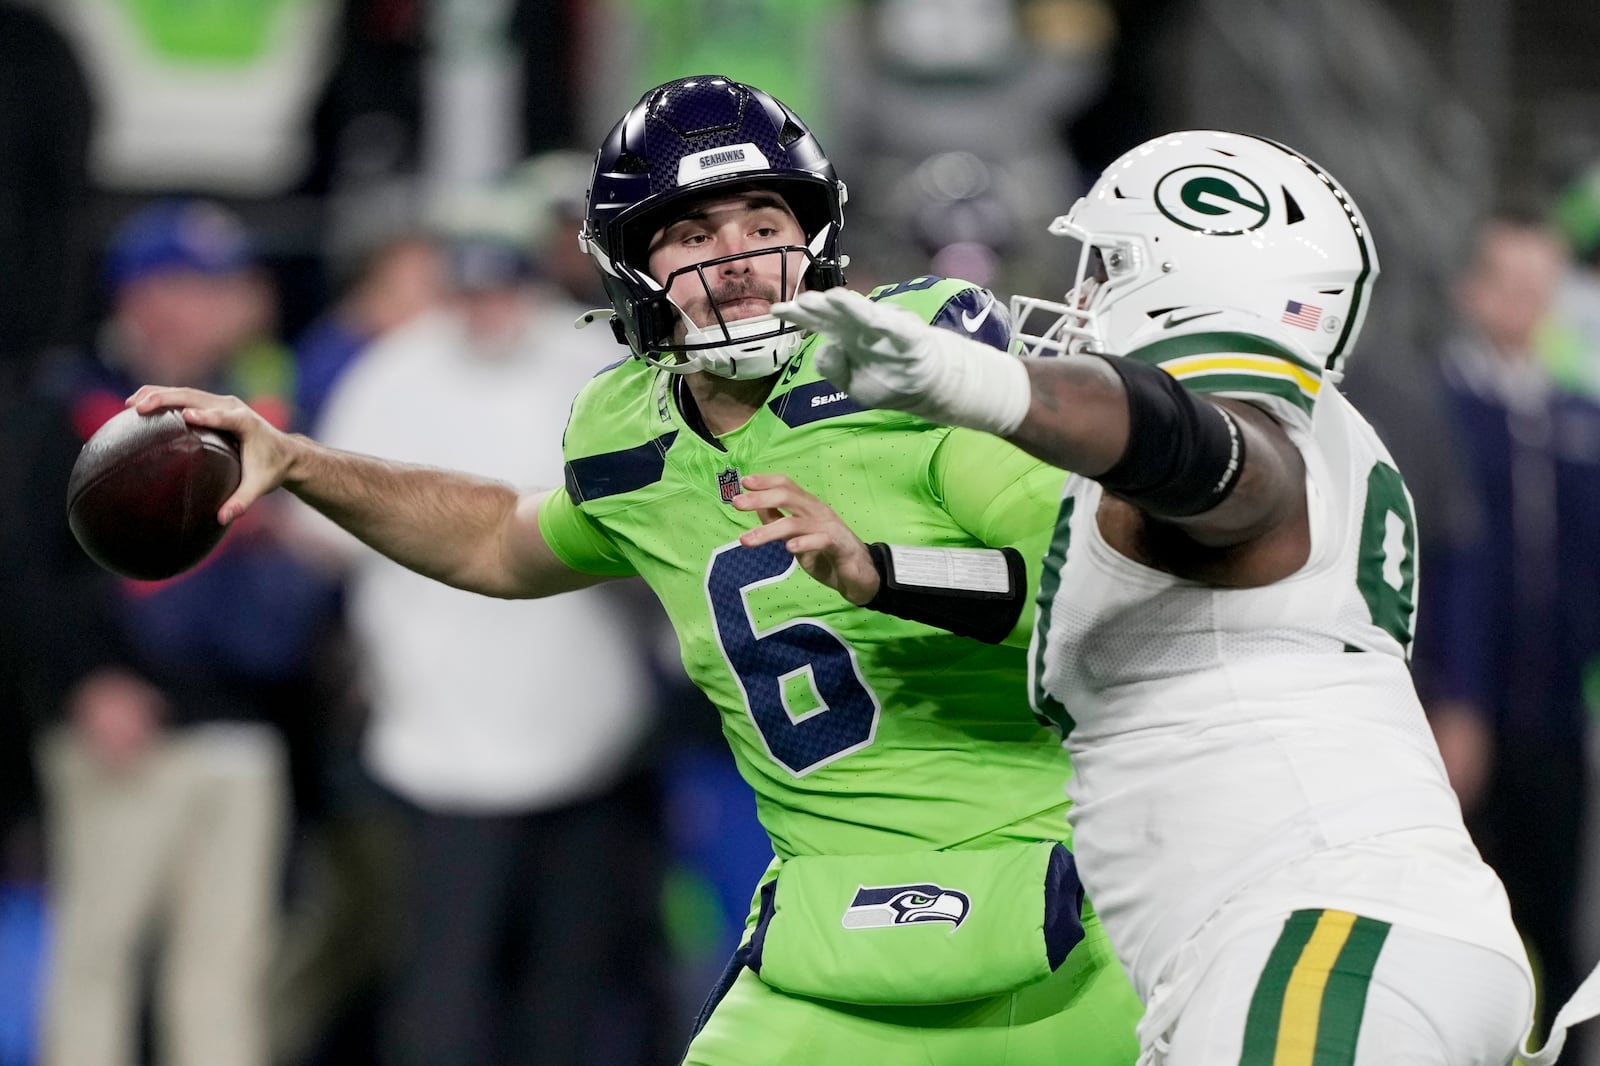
(971, 323)
(1173, 320)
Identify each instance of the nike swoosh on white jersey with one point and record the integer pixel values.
(971, 323)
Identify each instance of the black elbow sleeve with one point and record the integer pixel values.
(1184, 454)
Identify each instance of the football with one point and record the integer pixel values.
(144, 493)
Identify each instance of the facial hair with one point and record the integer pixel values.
(703, 310)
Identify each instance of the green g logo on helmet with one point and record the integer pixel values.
(1212, 200)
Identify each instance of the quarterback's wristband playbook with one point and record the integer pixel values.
(918, 928)
(971, 592)
(1184, 453)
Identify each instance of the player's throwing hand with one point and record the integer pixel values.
(266, 450)
(818, 539)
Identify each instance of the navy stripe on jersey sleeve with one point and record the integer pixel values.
(611, 473)
(976, 313)
(812, 403)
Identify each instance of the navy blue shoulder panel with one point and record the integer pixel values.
(812, 403)
(976, 313)
(611, 473)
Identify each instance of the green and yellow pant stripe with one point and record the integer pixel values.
(1307, 1006)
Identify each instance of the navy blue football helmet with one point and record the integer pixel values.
(681, 141)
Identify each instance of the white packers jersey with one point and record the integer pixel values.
(1226, 741)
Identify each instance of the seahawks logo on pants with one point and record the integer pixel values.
(875, 908)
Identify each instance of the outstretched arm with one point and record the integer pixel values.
(1110, 422)
(1224, 471)
(469, 532)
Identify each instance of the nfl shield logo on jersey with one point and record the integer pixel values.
(728, 484)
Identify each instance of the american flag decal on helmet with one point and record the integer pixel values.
(728, 484)
(1302, 315)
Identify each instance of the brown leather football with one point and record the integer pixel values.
(144, 493)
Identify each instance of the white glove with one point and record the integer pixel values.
(884, 355)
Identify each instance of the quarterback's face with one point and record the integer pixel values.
(752, 226)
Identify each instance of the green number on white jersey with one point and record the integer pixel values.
(1387, 571)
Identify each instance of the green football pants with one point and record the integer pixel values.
(1083, 1014)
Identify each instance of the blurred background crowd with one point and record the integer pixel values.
(300, 806)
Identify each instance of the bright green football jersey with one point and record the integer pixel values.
(861, 733)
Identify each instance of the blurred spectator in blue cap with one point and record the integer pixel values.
(160, 706)
(179, 236)
(190, 303)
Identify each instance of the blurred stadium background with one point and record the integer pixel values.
(338, 131)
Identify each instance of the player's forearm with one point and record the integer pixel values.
(1224, 471)
(443, 524)
(1077, 417)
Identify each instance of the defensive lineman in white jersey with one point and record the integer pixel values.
(1260, 814)
(1229, 742)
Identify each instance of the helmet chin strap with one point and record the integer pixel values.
(740, 359)
(735, 361)
(742, 350)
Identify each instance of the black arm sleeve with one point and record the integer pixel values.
(1184, 453)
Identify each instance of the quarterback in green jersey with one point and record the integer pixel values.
(922, 905)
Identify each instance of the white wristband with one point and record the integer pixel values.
(974, 385)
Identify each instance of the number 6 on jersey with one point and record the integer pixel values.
(844, 717)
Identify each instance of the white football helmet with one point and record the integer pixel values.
(1205, 220)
